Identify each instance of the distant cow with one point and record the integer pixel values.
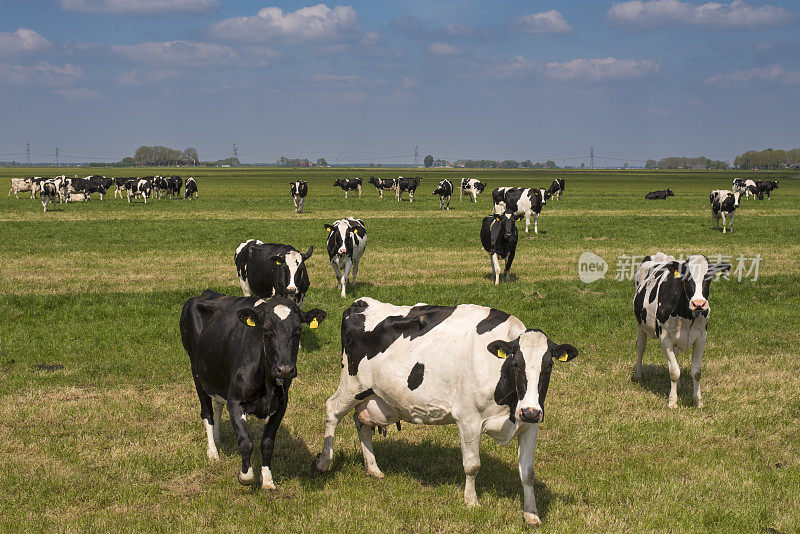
(492, 378)
(522, 201)
(270, 269)
(383, 184)
(141, 187)
(79, 197)
(556, 188)
(347, 239)
(174, 184)
(102, 181)
(120, 186)
(243, 353)
(671, 304)
(659, 195)
(349, 184)
(53, 189)
(160, 186)
(299, 190)
(23, 185)
(407, 184)
(445, 191)
(723, 204)
(766, 186)
(499, 239)
(190, 189)
(85, 186)
(472, 186)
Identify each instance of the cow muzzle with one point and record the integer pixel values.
(283, 372)
(698, 306)
(530, 415)
(291, 290)
(343, 250)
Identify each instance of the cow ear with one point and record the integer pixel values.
(496, 217)
(501, 349)
(718, 268)
(309, 253)
(276, 259)
(565, 352)
(676, 269)
(248, 316)
(313, 317)
(329, 228)
(518, 217)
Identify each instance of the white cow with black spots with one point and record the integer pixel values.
(347, 239)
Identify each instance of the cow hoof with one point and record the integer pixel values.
(532, 519)
(698, 403)
(315, 467)
(673, 404)
(212, 455)
(269, 486)
(374, 474)
(246, 479)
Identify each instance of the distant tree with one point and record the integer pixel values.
(321, 162)
(626, 165)
(128, 161)
(190, 154)
(651, 164)
(583, 165)
(527, 164)
(428, 161)
(550, 164)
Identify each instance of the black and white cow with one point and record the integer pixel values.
(659, 195)
(492, 378)
(723, 204)
(556, 188)
(243, 352)
(160, 186)
(174, 184)
(671, 304)
(383, 184)
(141, 187)
(472, 186)
(190, 190)
(120, 186)
(739, 185)
(299, 190)
(445, 191)
(51, 190)
(407, 184)
(522, 201)
(102, 181)
(499, 239)
(766, 186)
(23, 185)
(86, 186)
(347, 239)
(269, 269)
(349, 184)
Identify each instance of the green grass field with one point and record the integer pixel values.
(113, 440)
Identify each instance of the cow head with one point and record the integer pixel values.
(543, 195)
(695, 275)
(735, 198)
(440, 189)
(373, 181)
(479, 186)
(505, 226)
(342, 238)
(338, 183)
(529, 361)
(281, 321)
(291, 277)
(670, 193)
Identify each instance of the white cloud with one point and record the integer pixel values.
(443, 49)
(314, 24)
(638, 14)
(177, 53)
(601, 69)
(771, 74)
(138, 78)
(461, 30)
(79, 94)
(138, 7)
(512, 68)
(21, 41)
(545, 22)
(41, 73)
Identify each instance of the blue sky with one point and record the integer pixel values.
(369, 80)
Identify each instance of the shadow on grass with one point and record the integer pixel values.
(511, 277)
(655, 378)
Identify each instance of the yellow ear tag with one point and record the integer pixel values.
(564, 358)
(677, 274)
(250, 322)
(314, 323)
(277, 262)
(502, 354)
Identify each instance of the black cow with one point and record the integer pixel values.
(349, 184)
(383, 184)
(445, 191)
(556, 188)
(765, 186)
(102, 181)
(499, 239)
(243, 352)
(191, 189)
(174, 184)
(269, 269)
(299, 190)
(659, 195)
(407, 184)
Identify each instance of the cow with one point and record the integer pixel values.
(659, 195)
(766, 186)
(79, 197)
(407, 184)
(522, 201)
(349, 184)
(160, 186)
(120, 185)
(445, 191)
(51, 190)
(347, 239)
(85, 186)
(174, 184)
(243, 353)
(671, 304)
(23, 185)
(140, 187)
(102, 181)
(472, 186)
(299, 190)
(269, 269)
(750, 189)
(723, 203)
(739, 185)
(190, 189)
(499, 239)
(556, 188)
(492, 378)
(383, 184)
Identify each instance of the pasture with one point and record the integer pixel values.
(100, 420)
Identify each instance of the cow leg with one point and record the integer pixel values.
(723, 221)
(268, 443)
(338, 274)
(697, 355)
(359, 191)
(411, 195)
(495, 264)
(448, 203)
(527, 221)
(527, 446)
(470, 456)
(365, 437)
(460, 195)
(239, 422)
(509, 261)
(730, 221)
(355, 271)
(641, 343)
(345, 275)
(336, 407)
(207, 415)
(674, 372)
(536, 223)
(218, 406)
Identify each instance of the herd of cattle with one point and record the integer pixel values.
(64, 189)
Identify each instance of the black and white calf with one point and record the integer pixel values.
(445, 191)
(349, 184)
(556, 188)
(140, 187)
(383, 184)
(243, 353)
(190, 190)
(472, 186)
(723, 204)
(671, 304)
(299, 190)
(499, 239)
(765, 186)
(522, 201)
(492, 378)
(659, 195)
(407, 184)
(270, 269)
(347, 239)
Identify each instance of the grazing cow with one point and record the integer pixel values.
(723, 203)
(243, 353)
(472, 186)
(160, 186)
(299, 190)
(120, 185)
(174, 184)
(750, 189)
(522, 201)
(659, 195)
(270, 269)
(738, 185)
(347, 239)
(349, 184)
(556, 188)
(190, 190)
(499, 239)
(407, 184)
(102, 181)
(23, 185)
(445, 191)
(141, 187)
(671, 304)
(52, 189)
(85, 186)
(766, 186)
(383, 184)
(492, 378)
